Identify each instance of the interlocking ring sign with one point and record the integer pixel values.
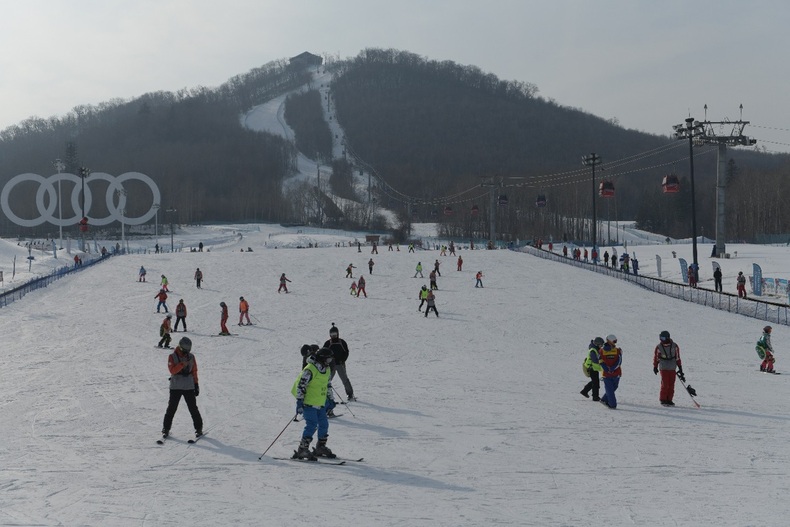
(47, 186)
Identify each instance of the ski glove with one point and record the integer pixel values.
(299, 406)
(197, 390)
(655, 370)
(681, 376)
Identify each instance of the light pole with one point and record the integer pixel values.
(592, 160)
(156, 222)
(691, 130)
(84, 173)
(59, 166)
(171, 227)
(121, 195)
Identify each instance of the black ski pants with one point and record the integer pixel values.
(593, 385)
(172, 406)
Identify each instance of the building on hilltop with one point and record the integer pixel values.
(306, 60)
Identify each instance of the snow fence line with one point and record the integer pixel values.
(749, 307)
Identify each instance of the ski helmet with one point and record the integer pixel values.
(169, 316)
(324, 355)
(185, 344)
(333, 331)
(241, 298)
(598, 341)
(611, 338)
(664, 335)
(767, 329)
(305, 350)
(222, 304)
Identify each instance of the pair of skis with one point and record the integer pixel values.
(164, 438)
(322, 460)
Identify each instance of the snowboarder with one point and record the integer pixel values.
(183, 383)
(244, 311)
(423, 296)
(766, 351)
(666, 359)
(339, 349)
(283, 282)
(741, 285)
(181, 314)
(431, 299)
(361, 287)
(162, 296)
(223, 319)
(350, 271)
(164, 332)
(313, 392)
(611, 357)
(418, 270)
(198, 277)
(141, 277)
(716, 279)
(479, 279)
(592, 368)
(370, 266)
(164, 283)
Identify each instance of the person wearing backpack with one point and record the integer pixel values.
(592, 368)
(766, 351)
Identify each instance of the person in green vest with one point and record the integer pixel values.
(592, 368)
(766, 351)
(423, 297)
(313, 392)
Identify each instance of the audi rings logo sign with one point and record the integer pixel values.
(47, 186)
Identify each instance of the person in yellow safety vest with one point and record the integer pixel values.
(592, 367)
(423, 296)
(313, 392)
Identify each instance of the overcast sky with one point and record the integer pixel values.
(646, 63)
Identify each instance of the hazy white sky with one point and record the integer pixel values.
(646, 63)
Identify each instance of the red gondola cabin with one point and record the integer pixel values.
(606, 189)
(671, 184)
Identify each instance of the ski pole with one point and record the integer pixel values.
(256, 319)
(343, 402)
(689, 389)
(278, 437)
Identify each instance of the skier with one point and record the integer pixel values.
(666, 359)
(313, 392)
(350, 271)
(198, 277)
(741, 285)
(141, 277)
(164, 332)
(460, 263)
(766, 351)
(375, 249)
(183, 383)
(339, 349)
(353, 289)
(431, 299)
(283, 281)
(423, 296)
(162, 296)
(164, 283)
(361, 287)
(479, 278)
(432, 278)
(436, 267)
(716, 278)
(370, 266)
(418, 270)
(611, 358)
(181, 314)
(592, 368)
(244, 311)
(223, 319)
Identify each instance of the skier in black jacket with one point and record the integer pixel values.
(340, 355)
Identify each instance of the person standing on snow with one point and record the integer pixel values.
(340, 352)
(436, 267)
(164, 332)
(479, 279)
(611, 358)
(370, 266)
(766, 351)
(353, 289)
(418, 270)
(198, 277)
(666, 359)
(432, 279)
(460, 263)
(716, 279)
(431, 299)
(181, 314)
(164, 283)
(183, 383)
(141, 277)
(244, 311)
(361, 287)
(223, 319)
(313, 392)
(593, 368)
(350, 271)
(423, 296)
(162, 297)
(283, 282)
(741, 285)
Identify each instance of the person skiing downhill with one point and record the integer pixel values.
(666, 359)
(593, 368)
(183, 383)
(223, 319)
(141, 276)
(162, 297)
(244, 311)
(766, 351)
(164, 283)
(353, 289)
(361, 287)
(283, 283)
(418, 270)
(164, 332)
(313, 392)
(423, 296)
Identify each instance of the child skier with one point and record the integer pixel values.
(766, 351)
(223, 319)
(313, 393)
(283, 285)
(164, 332)
(353, 289)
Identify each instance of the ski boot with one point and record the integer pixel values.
(165, 432)
(198, 433)
(321, 450)
(304, 450)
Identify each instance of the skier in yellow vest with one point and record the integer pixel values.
(313, 392)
